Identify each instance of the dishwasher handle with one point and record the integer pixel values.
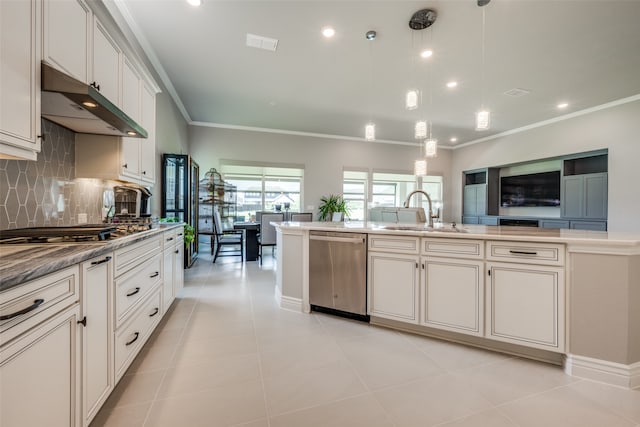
(338, 239)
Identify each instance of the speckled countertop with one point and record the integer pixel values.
(21, 263)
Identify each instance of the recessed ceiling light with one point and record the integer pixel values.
(194, 2)
(328, 32)
(426, 53)
(452, 84)
(562, 105)
(454, 139)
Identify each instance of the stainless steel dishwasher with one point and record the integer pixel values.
(338, 273)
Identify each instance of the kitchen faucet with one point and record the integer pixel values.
(430, 214)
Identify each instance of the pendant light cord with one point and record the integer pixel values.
(482, 69)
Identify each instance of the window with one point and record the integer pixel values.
(354, 192)
(433, 186)
(391, 189)
(264, 188)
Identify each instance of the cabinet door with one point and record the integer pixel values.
(130, 90)
(178, 267)
(97, 337)
(572, 196)
(481, 199)
(525, 305)
(470, 200)
(106, 64)
(595, 196)
(20, 78)
(453, 294)
(168, 292)
(393, 286)
(67, 27)
(148, 146)
(130, 159)
(39, 374)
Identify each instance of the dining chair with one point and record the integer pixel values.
(224, 237)
(267, 235)
(302, 217)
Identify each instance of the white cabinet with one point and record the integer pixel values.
(178, 262)
(452, 285)
(67, 32)
(138, 298)
(40, 353)
(526, 300)
(97, 334)
(173, 266)
(394, 277)
(106, 62)
(20, 35)
(148, 145)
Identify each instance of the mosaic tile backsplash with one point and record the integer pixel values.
(45, 192)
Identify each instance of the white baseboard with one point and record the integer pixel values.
(627, 376)
(288, 303)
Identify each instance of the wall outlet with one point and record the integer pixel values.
(82, 218)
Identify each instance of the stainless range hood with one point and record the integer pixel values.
(81, 108)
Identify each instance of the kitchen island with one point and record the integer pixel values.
(569, 297)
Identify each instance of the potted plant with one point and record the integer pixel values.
(189, 231)
(330, 205)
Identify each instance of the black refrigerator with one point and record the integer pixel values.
(180, 176)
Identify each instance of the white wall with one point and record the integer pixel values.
(616, 128)
(324, 159)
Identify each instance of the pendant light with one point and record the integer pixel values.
(431, 147)
(420, 167)
(483, 117)
(411, 100)
(420, 129)
(370, 128)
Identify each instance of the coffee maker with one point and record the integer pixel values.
(131, 201)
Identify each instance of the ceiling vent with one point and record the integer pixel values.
(261, 42)
(516, 92)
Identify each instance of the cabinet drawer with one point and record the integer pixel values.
(38, 299)
(457, 248)
(169, 239)
(129, 256)
(402, 244)
(132, 335)
(135, 285)
(529, 253)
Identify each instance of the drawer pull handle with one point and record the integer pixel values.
(180, 234)
(523, 252)
(169, 239)
(36, 303)
(102, 261)
(156, 274)
(155, 311)
(135, 338)
(135, 291)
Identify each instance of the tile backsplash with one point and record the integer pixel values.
(45, 192)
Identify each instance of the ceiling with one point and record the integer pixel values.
(585, 53)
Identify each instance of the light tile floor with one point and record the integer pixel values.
(226, 355)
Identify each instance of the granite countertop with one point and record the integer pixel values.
(622, 240)
(20, 263)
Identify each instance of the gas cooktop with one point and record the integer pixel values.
(71, 234)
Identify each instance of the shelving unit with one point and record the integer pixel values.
(215, 193)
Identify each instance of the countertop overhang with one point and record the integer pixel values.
(20, 263)
(608, 242)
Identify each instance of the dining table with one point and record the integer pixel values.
(251, 231)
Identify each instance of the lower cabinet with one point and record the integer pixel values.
(394, 286)
(97, 334)
(453, 294)
(525, 305)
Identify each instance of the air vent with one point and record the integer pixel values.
(261, 42)
(516, 92)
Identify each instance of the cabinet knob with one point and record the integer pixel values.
(83, 321)
(126, 165)
(95, 85)
(144, 172)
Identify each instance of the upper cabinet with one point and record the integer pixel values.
(106, 64)
(480, 194)
(20, 35)
(67, 32)
(585, 187)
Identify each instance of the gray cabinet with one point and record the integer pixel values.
(585, 196)
(480, 194)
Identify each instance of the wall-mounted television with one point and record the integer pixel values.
(535, 189)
